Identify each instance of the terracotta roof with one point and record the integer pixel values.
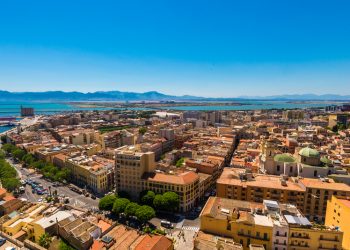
(154, 243)
(103, 225)
(319, 184)
(8, 198)
(230, 176)
(181, 179)
(2, 191)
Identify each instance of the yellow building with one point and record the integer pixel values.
(270, 224)
(338, 215)
(92, 172)
(309, 195)
(240, 220)
(314, 237)
(20, 226)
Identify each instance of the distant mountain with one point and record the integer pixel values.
(301, 97)
(149, 96)
(94, 96)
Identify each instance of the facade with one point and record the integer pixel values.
(27, 111)
(130, 166)
(269, 224)
(136, 172)
(309, 195)
(338, 214)
(94, 173)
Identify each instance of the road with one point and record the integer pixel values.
(75, 199)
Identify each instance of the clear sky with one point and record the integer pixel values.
(207, 48)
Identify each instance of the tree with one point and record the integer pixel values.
(3, 139)
(147, 198)
(8, 148)
(158, 202)
(28, 159)
(120, 205)
(64, 246)
(180, 162)
(106, 203)
(45, 240)
(131, 209)
(142, 130)
(145, 213)
(11, 184)
(18, 153)
(171, 200)
(2, 155)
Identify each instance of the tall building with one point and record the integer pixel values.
(27, 111)
(337, 215)
(130, 165)
(136, 172)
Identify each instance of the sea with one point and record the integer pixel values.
(12, 109)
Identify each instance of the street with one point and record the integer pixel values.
(75, 199)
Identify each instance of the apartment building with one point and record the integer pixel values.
(130, 165)
(94, 173)
(337, 216)
(270, 225)
(136, 172)
(309, 195)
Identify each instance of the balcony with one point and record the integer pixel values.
(332, 240)
(280, 244)
(253, 236)
(298, 236)
(300, 246)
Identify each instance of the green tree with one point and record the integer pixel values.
(2, 155)
(147, 198)
(28, 159)
(159, 202)
(3, 139)
(11, 184)
(131, 209)
(45, 240)
(180, 162)
(142, 130)
(64, 246)
(8, 148)
(171, 200)
(120, 205)
(145, 213)
(18, 153)
(106, 203)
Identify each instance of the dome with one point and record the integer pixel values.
(309, 152)
(284, 158)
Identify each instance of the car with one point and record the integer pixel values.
(198, 209)
(2, 241)
(93, 197)
(166, 224)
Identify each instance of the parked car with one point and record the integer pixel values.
(93, 197)
(2, 241)
(166, 224)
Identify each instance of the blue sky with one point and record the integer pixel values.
(207, 48)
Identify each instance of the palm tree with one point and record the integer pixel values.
(45, 240)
